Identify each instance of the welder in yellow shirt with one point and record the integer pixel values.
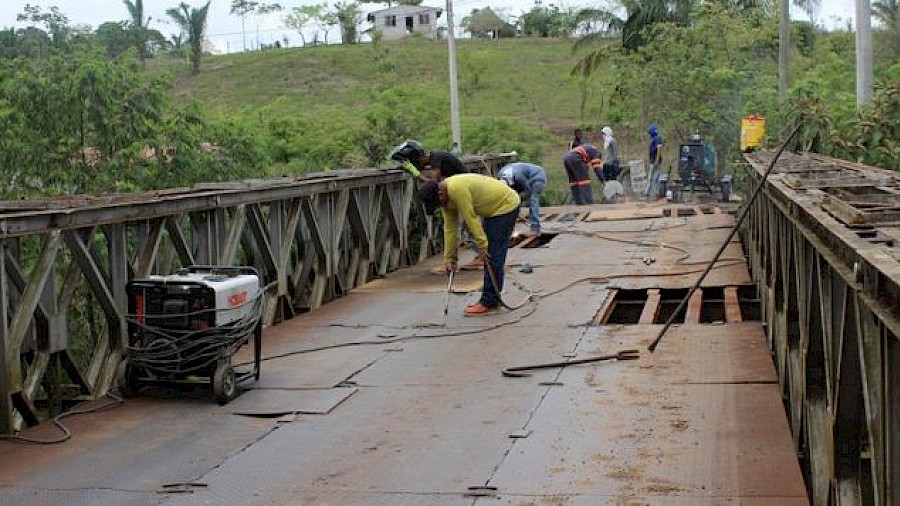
(473, 196)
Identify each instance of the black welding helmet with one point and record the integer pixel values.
(409, 150)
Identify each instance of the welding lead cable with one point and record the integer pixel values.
(57, 421)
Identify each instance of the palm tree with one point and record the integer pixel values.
(139, 28)
(640, 17)
(193, 24)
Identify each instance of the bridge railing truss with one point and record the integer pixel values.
(65, 263)
(825, 253)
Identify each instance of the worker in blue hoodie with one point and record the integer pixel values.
(655, 154)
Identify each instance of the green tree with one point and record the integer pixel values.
(115, 37)
(348, 15)
(887, 12)
(486, 23)
(549, 21)
(139, 28)
(243, 8)
(193, 25)
(300, 17)
(55, 22)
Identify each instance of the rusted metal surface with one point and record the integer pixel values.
(698, 422)
(65, 262)
(822, 253)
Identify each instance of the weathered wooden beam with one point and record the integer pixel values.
(651, 307)
(694, 308)
(733, 305)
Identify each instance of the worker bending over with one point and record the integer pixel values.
(578, 162)
(438, 164)
(471, 196)
(528, 180)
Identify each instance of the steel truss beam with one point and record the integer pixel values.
(64, 264)
(830, 301)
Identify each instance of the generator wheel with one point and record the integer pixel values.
(125, 379)
(224, 383)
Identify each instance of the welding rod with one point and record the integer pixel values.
(449, 289)
(725, 244)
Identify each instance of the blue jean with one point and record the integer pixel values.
(534, 206)
(497, 229)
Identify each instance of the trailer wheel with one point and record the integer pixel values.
(125, 379)
(224, 383)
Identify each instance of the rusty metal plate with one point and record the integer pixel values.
(670, 425)
(139, 446)
(419, 279)
(325, 368)
(626, 500)
(281, 402)
(466, 360)
(42, 497)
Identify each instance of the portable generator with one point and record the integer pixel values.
(186, 327)
(697, 168)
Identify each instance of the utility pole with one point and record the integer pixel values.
(454, 86)
(864, 73)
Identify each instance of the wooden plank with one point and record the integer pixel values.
(694, 306)
(603, 313)
(732, 305)
(651, 307)
(843, 212)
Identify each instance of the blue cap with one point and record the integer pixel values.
(653, 130)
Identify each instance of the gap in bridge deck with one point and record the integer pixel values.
(655, 306)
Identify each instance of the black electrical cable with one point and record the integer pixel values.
(57, 421)
(174, 352)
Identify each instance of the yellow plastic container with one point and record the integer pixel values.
(753, 129)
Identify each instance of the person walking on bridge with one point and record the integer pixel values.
(528, 180)
(471, 196)
(577, 162)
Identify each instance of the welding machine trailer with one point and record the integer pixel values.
(186, 327)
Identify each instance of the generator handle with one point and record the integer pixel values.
(226, 270)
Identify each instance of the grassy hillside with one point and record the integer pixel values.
(519, 89)
(339, 106)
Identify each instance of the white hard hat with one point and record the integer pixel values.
(607, 131)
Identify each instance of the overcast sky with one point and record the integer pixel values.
(225, 29)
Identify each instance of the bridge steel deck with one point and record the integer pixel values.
(824, 246)
(378, 398)
(316, 237)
